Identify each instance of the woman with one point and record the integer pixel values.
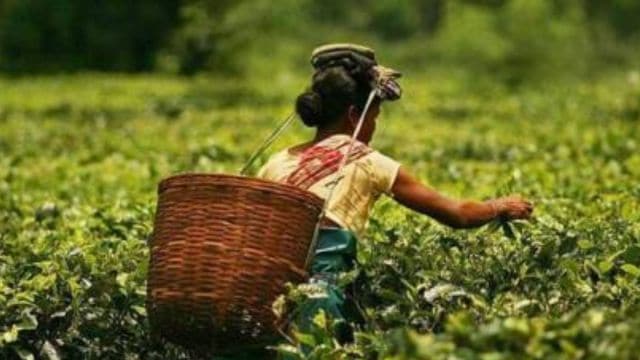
(345, 76)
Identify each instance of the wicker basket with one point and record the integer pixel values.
(222, 249)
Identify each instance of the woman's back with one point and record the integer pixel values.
(367, 175)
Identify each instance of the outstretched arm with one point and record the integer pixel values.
(459, 214)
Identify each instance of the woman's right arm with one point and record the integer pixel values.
(458, 214)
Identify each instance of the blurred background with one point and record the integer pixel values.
(511, 40)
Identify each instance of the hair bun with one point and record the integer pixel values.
(309, 107)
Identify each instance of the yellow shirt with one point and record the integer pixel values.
(367, 175)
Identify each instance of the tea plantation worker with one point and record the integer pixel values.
(344, 76)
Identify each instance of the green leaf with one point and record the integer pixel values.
(290, 351)
(23, 354)
(615, 255)
(306, 339)
(631, 269)
(320, 320)
(631, 255)
(604, 266)
(50, 351)
(585, 244)
(122, 278)
(29, 322)
(10, 335)
(140, 310)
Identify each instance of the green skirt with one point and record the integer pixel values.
(335, 253)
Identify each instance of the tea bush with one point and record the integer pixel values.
(82, 155)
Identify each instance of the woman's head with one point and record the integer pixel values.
(336, 99)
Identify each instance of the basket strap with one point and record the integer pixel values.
(339, 174)
(266, 143)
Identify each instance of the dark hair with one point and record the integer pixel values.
(332, 91)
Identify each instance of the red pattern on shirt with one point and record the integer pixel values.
(320, 161)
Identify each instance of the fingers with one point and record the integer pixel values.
(513, 207)
(527, 210)
(519, 208)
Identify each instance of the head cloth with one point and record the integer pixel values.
(360, 62)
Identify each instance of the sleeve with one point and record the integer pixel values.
(385, 171)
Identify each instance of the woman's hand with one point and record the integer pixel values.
(511, 208)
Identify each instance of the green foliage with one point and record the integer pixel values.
(622, 16)
(82, 156)
(394, 19)
(198, 43)
(517, 40)
(49, 36)
(520, 40)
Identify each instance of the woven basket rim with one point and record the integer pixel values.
(196, 178)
